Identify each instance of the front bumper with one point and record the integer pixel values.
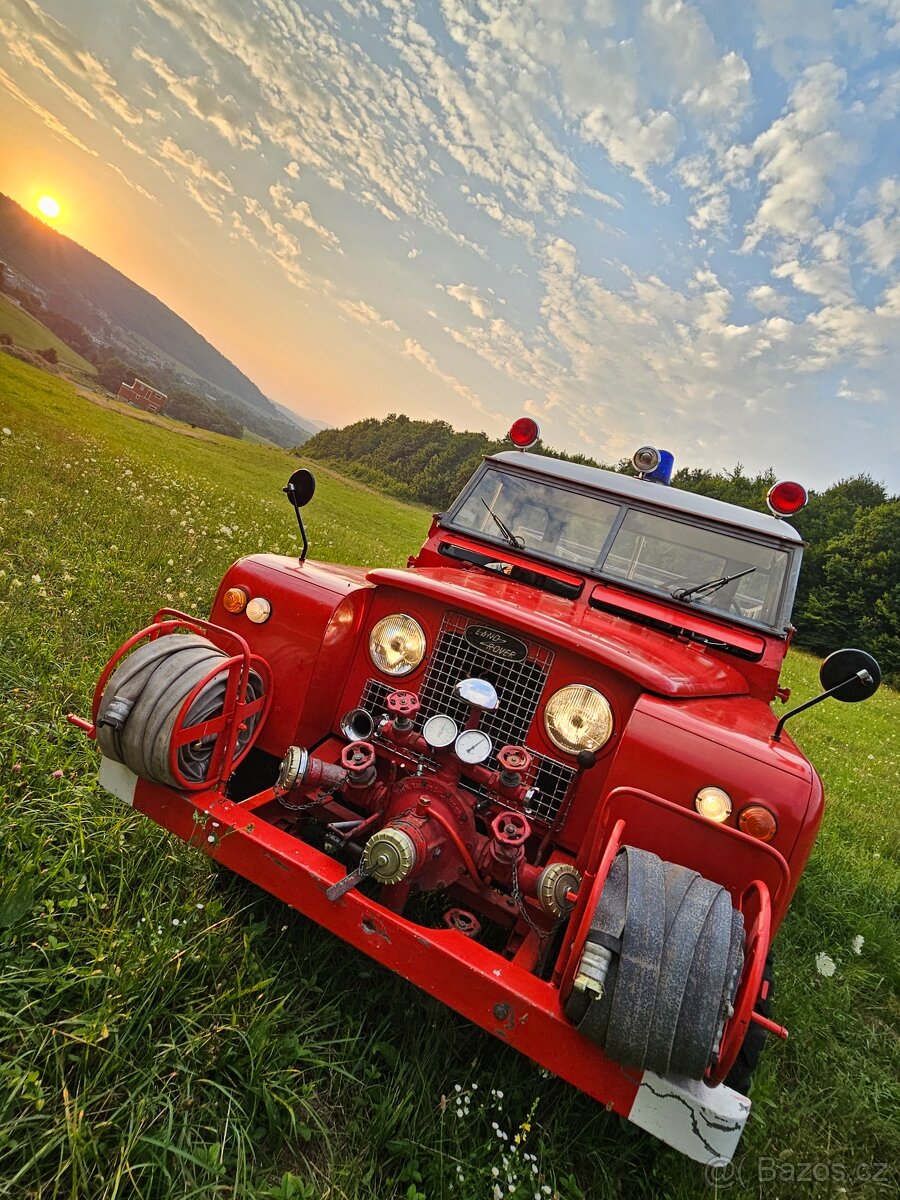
(702, 1122)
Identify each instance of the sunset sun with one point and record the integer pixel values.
(48, 207)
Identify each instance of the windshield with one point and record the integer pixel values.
(699, 565)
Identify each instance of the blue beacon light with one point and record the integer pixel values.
(656, 466)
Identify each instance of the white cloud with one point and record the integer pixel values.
(796, 157)
(767, 299)
(412, 349)
(715, 87)
(201, 99)
(196, 165)
(39, 34)
(881, 233)
(49, 119)
(470, 296)
(365, 314)
(299, 211)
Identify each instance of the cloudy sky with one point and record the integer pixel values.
(670, 222)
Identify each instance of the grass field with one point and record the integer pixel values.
(26, 331)
(168, 1032)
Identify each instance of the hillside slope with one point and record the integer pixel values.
(27, 331)
(117, 311)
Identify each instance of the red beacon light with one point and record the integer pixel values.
(524, 433)
(786, 498)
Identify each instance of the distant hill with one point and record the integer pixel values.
(27, 331)
(119, 313)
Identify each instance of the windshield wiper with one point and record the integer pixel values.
(504, 529)
(707, 589)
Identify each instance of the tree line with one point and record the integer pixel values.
(849, 589)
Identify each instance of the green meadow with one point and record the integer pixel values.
(168, 1031)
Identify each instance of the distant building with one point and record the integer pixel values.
(142, 395)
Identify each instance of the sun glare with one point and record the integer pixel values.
(48, 207)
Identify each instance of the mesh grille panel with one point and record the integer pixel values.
(519, 687)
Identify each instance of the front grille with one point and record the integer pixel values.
(519, 686)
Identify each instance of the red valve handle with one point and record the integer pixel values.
(403, 704)
(358, 756)
(514, 758)
(511, 828)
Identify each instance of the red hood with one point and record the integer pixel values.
(656, 661)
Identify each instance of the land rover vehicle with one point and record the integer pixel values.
(536, 772)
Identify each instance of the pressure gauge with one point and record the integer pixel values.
(473, 746)
(439, 731)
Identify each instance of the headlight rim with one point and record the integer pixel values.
(597, 749)
(380, 666)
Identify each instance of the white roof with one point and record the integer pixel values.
(642, 491)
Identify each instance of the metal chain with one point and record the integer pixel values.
(520, 903)
(322, 796)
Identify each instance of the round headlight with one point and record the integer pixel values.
(258, 610)
(397, 644)
(578, 718)
(713, 803)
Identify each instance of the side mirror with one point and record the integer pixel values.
(848, 675)
(300, 489)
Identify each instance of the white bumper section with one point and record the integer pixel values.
(702, 1122)
(117, 779)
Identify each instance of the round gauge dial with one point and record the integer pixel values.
(473, 746)
(439, 731)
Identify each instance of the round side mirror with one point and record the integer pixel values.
(854, 673)
(300, 488)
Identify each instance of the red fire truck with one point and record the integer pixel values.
(536, 772)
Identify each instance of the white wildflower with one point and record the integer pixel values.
(7, 432)
(825, 965)
(857, 944)
(226, 529)
(35, 579)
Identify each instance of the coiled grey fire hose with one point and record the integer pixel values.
(142, 700)
(660, 968)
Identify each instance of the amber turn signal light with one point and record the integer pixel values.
(758, 822)
(235, 600)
